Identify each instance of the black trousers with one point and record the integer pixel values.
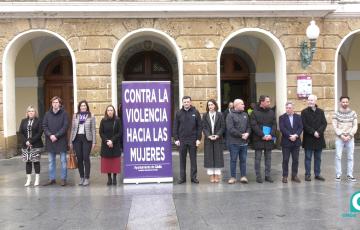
(267, 154)
(185, 147)
(294, 152)
(82, 149)
(29, 167)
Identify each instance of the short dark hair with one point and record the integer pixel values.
(262, 98)
(56, 98)
(87, 106)
(186, 97)
(106, 115)
(342, 97)
(212, 101)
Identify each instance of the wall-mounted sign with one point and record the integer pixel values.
(304, 86)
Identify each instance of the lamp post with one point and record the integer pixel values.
(306, 54)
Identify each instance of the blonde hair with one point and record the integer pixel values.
(35, 110)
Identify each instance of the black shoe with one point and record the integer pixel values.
(50, 182)
(269, 179)
(259, 179)
(114, 182)
(295, 179)
(284, 179)
(319, 178)
(195, 181)
(109, 182)
(63, 183)
(181, 181)
(307, 178)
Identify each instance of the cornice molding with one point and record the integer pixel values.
(183, 9)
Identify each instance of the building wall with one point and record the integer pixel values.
(93, 41)
(26, 82)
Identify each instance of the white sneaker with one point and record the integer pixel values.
(81, 181)
(337, 179)
(351, 178)
(86, 182)
(244, 180)
(232, 180)
(28, 180)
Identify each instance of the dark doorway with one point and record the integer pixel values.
(150, 66)
(235, 80)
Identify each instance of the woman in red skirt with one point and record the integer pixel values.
(111, 136)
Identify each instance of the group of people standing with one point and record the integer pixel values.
(82, 140)
(188, 127)
(261, 125)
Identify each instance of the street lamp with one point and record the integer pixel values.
(306, 54)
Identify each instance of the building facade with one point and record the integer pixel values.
(207, 49)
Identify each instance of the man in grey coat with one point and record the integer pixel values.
(55, 126)
(238, 131)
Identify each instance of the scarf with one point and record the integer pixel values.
(29, 127)
(82, 117)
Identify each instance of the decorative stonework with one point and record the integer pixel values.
(93, 41)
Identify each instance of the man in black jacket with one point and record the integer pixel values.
(314, 122)
(187, 135)
(55, 126)
(263, 126)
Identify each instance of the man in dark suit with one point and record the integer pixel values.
(291, 128)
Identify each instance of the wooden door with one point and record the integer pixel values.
(235, 80)
(150, 66)
(58, 82)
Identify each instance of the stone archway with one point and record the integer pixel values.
(8, 72)
(153, 47)
(156, 36)
(278, 53)
(347, 72)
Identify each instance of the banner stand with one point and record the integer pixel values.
(146, 114)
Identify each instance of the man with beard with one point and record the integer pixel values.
(345, 126)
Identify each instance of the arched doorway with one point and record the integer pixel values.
(141, 40)
(58, 82)
(235, 79)
(347, 72)
(150, 66)
(28, 48)
(21, 81)
(266, 61)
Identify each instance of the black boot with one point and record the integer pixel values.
(114, 179)
(109, 182)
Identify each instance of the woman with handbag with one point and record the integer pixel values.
(111, 135)
(83, 139)
(31, 131)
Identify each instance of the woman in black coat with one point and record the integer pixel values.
(213, 128)
(111, 141)
(30, 132)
